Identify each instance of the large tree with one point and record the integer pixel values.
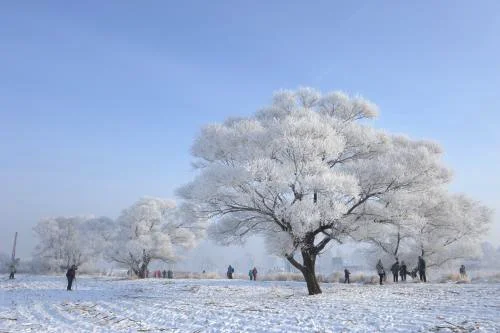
(304, 171)
(152, 229)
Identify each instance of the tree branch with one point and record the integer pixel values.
(294, 262)
(321, 245)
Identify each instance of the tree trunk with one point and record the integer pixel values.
(146, 258)
(308, 267)
(142, 271)
(309, 263)
(397, 246)
(140, 267)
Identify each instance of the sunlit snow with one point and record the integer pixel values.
(41, 304)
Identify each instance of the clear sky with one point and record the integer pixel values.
(100, 100)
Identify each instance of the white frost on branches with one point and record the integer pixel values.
(62, 242)
(305, 171)
(152, 229)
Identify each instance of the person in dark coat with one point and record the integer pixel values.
(421, 269)
(380, 270)
(164, 274)
(230, 271)
(462, 272)
(254, 273)
(12, 269)
(346, 276)
(71, 275)
(403, 271)
(414, 272)
(395, 271)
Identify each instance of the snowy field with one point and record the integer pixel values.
(41, 304)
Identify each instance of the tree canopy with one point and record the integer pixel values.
(152, 229)
(309, 169)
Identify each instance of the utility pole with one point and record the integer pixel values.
(14, 249)
(14, 260)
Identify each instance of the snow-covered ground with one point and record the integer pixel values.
(41, 304)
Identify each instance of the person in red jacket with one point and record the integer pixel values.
(70, 275)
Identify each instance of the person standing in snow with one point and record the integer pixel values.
(380, 270)
(71, 275)
(346, 276)
(395, 271)
(462, 272)
(230, 271)
(12, 269)
(421, 269)
(403, 271)
(254, 273)
(250, 274)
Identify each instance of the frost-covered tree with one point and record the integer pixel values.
(448, 227)
(438, 225)
(490, 258)
(305, 171)
(390, 231)
(5, 262)
(62, 242)
(152, 229)
(98, 233)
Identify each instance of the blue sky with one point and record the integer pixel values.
(100, 100)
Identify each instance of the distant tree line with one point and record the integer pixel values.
(151, 229)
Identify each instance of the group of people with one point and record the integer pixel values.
(156, 274)
(252, 274)
(71, 275)
(399, 270)
(402, 270)
(396, 269)
(163, 274)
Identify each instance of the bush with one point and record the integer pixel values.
(335, 277)
(282, 276)
(487, 277)
(196, 275)
(450, 277)
(365, 279)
